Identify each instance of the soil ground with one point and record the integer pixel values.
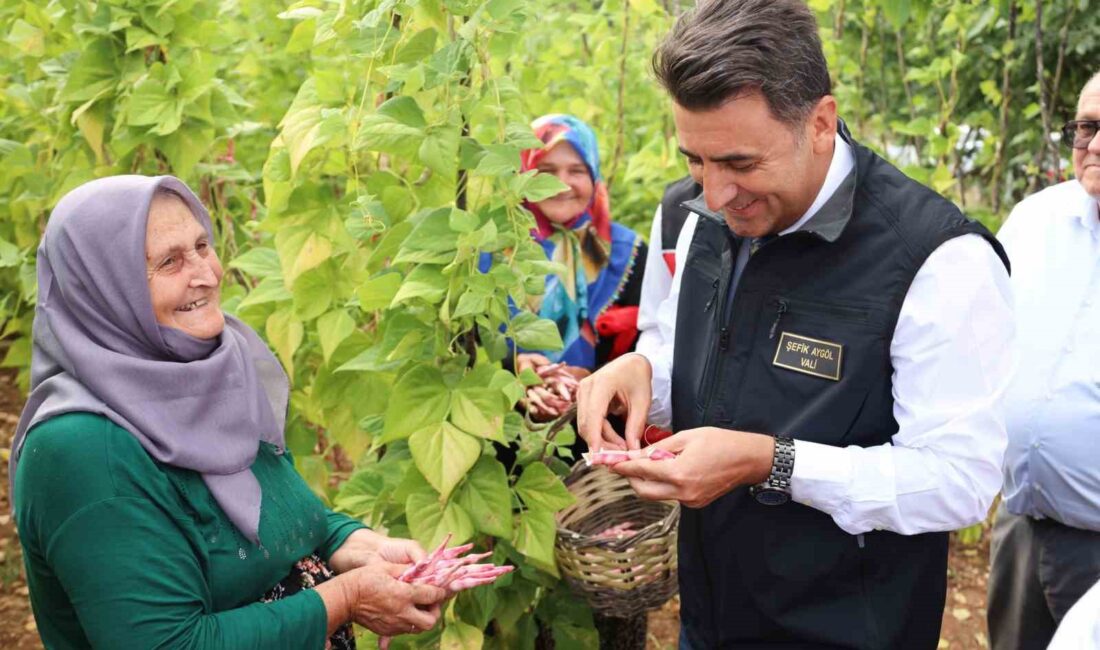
(964, 626)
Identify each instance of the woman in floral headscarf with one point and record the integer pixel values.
(595, 301)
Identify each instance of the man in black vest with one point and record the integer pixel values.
(842, 343)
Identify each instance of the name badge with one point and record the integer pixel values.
(810, 356)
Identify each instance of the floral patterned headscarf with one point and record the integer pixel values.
(597, 255)
(554, 129)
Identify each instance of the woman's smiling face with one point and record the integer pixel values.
(566, 164)
(183, 270)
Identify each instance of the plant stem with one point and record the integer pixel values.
(620, 133)
(1044, 101)
(1063, 39)
(1006, 93)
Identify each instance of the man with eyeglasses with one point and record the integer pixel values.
(1046, 539)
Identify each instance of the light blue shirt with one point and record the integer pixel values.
(1052, 466)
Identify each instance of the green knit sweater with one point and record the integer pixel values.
(124, 552)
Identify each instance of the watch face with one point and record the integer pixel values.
(771, 497)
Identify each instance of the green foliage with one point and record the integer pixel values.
(952, 91)
(393, 170)
(359, 156)
(97, 88)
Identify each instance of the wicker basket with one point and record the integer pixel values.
(619, 577)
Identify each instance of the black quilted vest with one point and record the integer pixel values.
(804, 350)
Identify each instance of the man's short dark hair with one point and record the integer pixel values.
(725, 48)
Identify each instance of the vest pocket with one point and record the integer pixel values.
(701, 314)
(811, 367)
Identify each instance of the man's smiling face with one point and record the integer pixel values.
(760, 173)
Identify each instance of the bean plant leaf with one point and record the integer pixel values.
(314, 292)
(461, 636)
(417, 48)
(285, 332)
(444, 454)
(300, 249)
(361, 493)
(540, 186)
(487, 499)
(477, 605)
(185, 147)
(372, 359)
(538, 486)
(315, 473)
(431, 241)
(378, 293)
(260, 262)
(388, 246)
(333, 328)
(463, 221)
(405, 110)
(499, 160)
(269, 289)
(896, 11)
(529, 378)
(534, 333)
(27, 38)
(431, 519)
(303, 130)
(535, 535)
(479, 412)
(152, 102)
(420, 399)
(380, 132)
(472, 303)
(9, 254)
(425, 282)
(95, 70)
(439, 151)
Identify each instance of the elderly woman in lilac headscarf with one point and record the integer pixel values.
(157, 504)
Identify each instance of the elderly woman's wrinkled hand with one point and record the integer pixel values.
(389, 607)
(366, 547)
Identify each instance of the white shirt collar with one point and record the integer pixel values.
(1087, 209)
(839, 167)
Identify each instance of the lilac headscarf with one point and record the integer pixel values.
(202, 405)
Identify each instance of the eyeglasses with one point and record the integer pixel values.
(1079, 133)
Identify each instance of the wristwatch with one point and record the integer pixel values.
(776, 490)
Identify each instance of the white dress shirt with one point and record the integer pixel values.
(657, 285)
(951, 354)
(1052, 467)
(1080, 627)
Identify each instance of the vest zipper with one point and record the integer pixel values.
(781, 307)
(722, 315)
(800, 305)
(713, 297)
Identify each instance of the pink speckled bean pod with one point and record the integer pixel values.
(451, 570)
(656, 453)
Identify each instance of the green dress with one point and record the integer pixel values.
(124, 552)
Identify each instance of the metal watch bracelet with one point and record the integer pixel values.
(776, 489)
(782, 464)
